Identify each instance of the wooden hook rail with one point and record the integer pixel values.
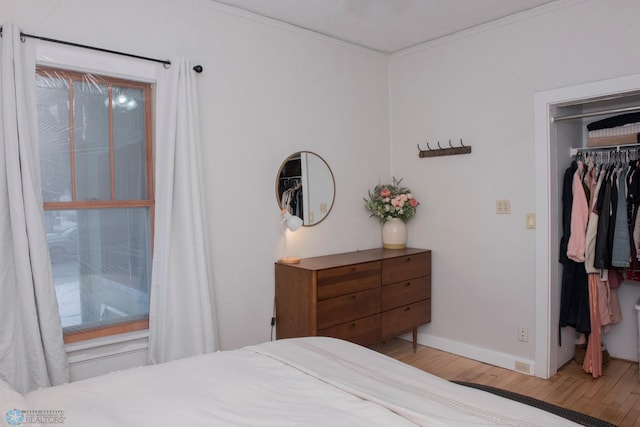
(446, 151)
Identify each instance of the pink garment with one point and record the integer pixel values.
(614, 303)
(593, 357)
(579, 218)
(592, 226)
(608, 303)
(615, 279)
(603, 303)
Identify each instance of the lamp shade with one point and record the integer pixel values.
(291, 221)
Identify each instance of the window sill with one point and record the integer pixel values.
(109, 346)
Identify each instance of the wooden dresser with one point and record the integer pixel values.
(363, 297)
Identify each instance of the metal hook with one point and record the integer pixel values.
(439, 145)
(461, 144)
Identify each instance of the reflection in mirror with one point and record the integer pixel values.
(305, 187)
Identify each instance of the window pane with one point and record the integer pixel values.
(53, 123)
(101, 265)
(91, 140)
(129, 144)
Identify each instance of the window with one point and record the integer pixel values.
(97, 189)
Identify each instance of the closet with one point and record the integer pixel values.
(290, 186)
(568, 141)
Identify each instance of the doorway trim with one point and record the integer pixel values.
(545, 104)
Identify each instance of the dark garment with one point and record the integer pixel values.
(567, 203)
(611, 229)
(633, 202)
(602, 257)
(574, 297)
(614, 121)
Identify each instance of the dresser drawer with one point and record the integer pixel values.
(405, 267)
(346, 280)
(405, 292)
(403, 319)
(361, 331)
(345, 308)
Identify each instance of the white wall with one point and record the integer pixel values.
(267, 90)
(480, 86)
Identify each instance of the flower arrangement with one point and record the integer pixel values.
(391, 201)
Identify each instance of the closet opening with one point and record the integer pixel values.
(562, 116)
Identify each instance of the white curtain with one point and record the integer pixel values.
(32, 351)
(181, 315)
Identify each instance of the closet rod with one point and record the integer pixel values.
(611, 149)
(595, 113)
(196, 68)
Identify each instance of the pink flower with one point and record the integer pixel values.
(413, 202)
(385, 192)
(397, 202)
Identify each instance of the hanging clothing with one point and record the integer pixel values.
(592, 226)
(574, 297)
(567, 201)
(621, 253)
(602, 259)
(633, 202)
(593, 357)
(579, 217)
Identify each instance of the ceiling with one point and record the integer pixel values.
(385, 25)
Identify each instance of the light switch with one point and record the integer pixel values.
(531, 221)
(503, 207)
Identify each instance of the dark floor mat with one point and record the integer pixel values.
(574, 416)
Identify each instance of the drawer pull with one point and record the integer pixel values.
(352, 325)
(407, 284)
(408, 259)
(353, 269)
(353, 297)
(407, 308)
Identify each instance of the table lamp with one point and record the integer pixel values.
(293, 223)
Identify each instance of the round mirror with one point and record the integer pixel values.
(305, 187)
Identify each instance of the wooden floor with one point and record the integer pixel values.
(614, 397)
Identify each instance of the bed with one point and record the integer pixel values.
(313, 381)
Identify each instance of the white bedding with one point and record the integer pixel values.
(313, 381)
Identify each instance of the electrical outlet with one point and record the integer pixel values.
(523, 334)
(522, 367)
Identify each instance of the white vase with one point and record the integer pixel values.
(394, 234)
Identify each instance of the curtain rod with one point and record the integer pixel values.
(596, 113)
(196, 68)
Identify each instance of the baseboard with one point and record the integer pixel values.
(491, 357)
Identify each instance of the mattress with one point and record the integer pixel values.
(313, 381)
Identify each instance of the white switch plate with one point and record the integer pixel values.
(503, 207)
(531, 221)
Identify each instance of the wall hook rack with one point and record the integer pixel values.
(446, 151)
